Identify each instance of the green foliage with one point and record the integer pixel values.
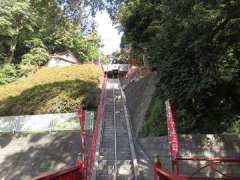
(86, 49)
(26, 25)
(194, 45)
(156, 122)
(52, 90)
(34, 43)
(15, 18)
(37, 56)
(78, 10)
(121, 57)
(26, 70)
(8, 73)
(235, 126)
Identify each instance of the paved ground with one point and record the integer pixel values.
(25, 156)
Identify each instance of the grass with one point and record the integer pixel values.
(52, 90)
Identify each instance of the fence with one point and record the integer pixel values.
(212, 163)
(69, 173)
(95, 131)
(46, 122)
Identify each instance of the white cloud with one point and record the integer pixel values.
(110, 36)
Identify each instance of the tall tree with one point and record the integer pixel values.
(15, 17)
(195, 47)
(43, 24)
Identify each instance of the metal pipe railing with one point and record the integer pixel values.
(164, 174)
(68, 173)
(95, 133)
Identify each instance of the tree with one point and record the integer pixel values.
(14, 18)
(120, 57)
(31, 30)
(195, 47)
(37, 56)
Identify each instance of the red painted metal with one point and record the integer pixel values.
(165, 174)
(68, 173)
(172, 136)
(212, 178)
(81, 115)
(173, 139)
(210, 159)
(212, 163)
(96, 130)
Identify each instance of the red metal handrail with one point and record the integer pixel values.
(165, 174)
(211, 162)
(68, 173)
(96, 130)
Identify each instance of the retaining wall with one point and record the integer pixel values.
(45, 122)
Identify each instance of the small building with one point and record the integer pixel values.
(115, 70)
(63, 59)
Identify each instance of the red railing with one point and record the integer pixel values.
(69, 173)
(165, 174)
(95, 131)
(159, 172)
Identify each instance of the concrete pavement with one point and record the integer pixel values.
(25, 156)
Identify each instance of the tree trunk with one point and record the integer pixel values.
(13, 44)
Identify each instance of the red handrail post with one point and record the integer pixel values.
(157, 165)
(80, 165)
(81, 114)
(95, 132)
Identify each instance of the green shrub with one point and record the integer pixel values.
(8, 73)
(37, 56)
(26, 70)
(34, 43)
(235, 125)
(156, 123)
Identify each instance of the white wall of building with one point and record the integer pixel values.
(66, 59)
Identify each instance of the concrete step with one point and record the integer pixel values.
(104, 177)
(107, 147)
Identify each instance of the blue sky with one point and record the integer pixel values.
(110, 36)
